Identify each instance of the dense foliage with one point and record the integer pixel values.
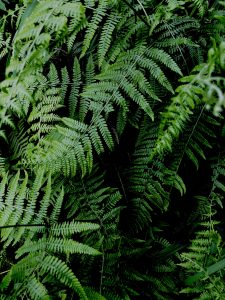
(112, 158)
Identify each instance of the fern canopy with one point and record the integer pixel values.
(112, 161)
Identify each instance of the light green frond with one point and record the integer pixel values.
(56, 245)
(61, 271)
(156, 72)
(97, 17)
(64, 84)
(92, 294)
(42, 213)
(201, 6)
(37, 290)
(67, 229)
(73, 98)
(17, 210)
(106, 36)
(57, 207)
(164, 58)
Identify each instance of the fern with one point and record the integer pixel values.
(19, 221)
(199, 89)
(36, 290)
(204, 256)
(72, 142)
(120, 75)
(37, 30)
(149, 184)
(106, 37)
(201, 6)
(73, 100)
(93, 204)
(99, 13)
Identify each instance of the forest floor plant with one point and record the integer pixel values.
(112, 159)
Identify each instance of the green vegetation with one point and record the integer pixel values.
(112, 158)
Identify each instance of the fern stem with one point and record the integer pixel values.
(4, 272)
(22, 225)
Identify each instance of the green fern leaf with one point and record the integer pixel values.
(99, 13)
(106, 36)
(57, 207)
(67, 229)
(56, 245)
(163, 57)
(73, 98)
(37, 290)
(59, 269)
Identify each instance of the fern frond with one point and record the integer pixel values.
(29, 58)
(44, 203)
(97, 17)
(37, 290)
(72, 145)
(106, 36)
(73, 98)
(197, 90)
(17, 209)
(56, 245)
(65, 80)
(57, 207)
(204, 254)
(164, 58)
(92, 294)
(201, 6)
(60, 270)
(67, 229)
